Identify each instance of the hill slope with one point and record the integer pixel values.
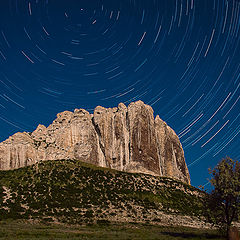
(75, 192)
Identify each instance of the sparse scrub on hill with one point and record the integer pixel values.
(75, 192)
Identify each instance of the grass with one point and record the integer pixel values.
(19, 229)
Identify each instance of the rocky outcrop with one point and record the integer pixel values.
(123, 138)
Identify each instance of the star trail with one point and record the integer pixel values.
(182, 57)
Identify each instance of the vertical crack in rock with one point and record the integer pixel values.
(122, 138)
(128, 147)
(99, 136)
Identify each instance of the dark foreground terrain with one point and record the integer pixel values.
(19, 229)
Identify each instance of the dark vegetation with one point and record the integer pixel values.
(70, 191)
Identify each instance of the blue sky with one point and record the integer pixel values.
(179, 56)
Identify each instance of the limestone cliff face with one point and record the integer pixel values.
(123, 138)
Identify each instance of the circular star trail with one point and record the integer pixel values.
(179, 56)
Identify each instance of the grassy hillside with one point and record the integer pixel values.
(70, 191)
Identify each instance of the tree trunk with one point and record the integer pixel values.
(228, 233)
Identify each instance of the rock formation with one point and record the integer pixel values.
(123, 138)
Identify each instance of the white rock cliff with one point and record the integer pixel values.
(123, 138)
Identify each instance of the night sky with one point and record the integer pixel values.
(182, 57)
